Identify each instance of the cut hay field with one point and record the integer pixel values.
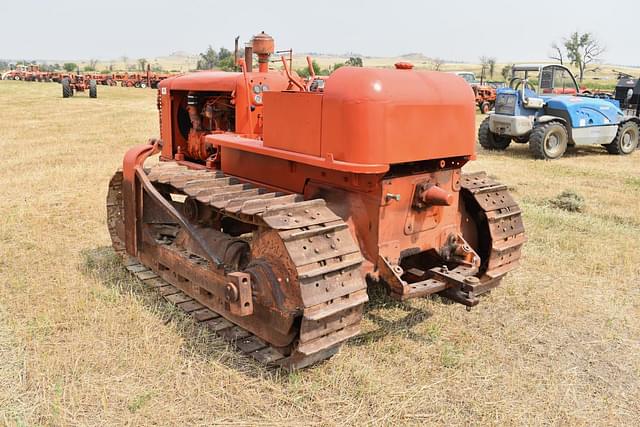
(83, 343)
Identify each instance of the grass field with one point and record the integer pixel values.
(82, 343)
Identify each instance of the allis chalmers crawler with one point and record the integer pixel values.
(274, 198)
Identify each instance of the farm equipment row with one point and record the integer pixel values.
(32, 73)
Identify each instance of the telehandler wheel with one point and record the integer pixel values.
(485, 107)
(549, 141)
(626, 139)
(522, 139)
(67, 91)
(93, 89)
(490, 140)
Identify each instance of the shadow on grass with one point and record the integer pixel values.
(103, 264)
(379, 299)
(521, 151)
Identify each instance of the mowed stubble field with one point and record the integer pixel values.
(83, 343)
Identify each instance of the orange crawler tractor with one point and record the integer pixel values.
(274, 198)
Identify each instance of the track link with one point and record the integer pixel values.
(319, 243)
(504, 224)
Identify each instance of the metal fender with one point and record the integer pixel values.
(547, 118)
(625, 119)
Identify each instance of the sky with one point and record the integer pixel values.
(459, 30)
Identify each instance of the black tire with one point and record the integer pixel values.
(489, 140)
(93, 89)
(626, 140)
(522, 139)
(485, 107)
(549, 141)
(67, 90)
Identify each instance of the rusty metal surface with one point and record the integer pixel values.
(503, 222)
(324, 267)
(498, 227)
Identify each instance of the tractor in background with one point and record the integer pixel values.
(78, 83)
(543, 106)
(627, 93)
(485, 94)
(17, 73)
(485, 97)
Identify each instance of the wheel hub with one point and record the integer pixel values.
(627, 140)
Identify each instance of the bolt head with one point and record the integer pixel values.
(231, 292)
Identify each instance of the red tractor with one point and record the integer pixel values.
(274, 200)
(78, 83)
(485, 97)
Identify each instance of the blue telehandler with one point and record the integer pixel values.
(543, 106)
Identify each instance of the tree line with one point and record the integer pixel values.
(223, 60)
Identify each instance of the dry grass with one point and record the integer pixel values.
(83, 343)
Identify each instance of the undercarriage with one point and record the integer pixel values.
(281, 276)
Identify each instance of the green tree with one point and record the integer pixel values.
(506, 71)
(582, 49)
(227, 64)
(304, 72)
(491, 63)
(70, 66)
(142, 63)
(488, 65)
(224, 53)
(91, 66)
(208, 59)
(354, 61)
